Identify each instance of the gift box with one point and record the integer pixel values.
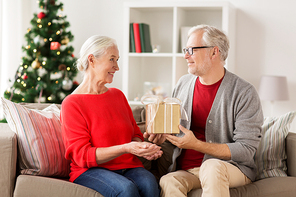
(163, 118)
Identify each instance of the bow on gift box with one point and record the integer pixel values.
(163, 116)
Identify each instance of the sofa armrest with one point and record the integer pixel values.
(291, 153)
(8, 159)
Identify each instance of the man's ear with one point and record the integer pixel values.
(215, 52)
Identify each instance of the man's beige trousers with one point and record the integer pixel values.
(215, 177)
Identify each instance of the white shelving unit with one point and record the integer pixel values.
(165, 20)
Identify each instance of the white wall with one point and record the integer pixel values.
(265, 37)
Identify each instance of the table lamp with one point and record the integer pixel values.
(273, 88)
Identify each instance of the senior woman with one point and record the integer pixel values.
(101, 137)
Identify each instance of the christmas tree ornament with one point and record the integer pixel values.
(67, 84)
(62, 67)
(56, 75)
(36, 64)
(25, 76)
(63, 47)
(42, 71)
(41, 15)
(65, 41)
(55, 46)
(62, 95)
(75, 83)
(39, 40)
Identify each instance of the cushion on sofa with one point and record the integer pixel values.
(41, 149)
(271, 154)
(37, 186)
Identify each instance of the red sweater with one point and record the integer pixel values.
(90, 121)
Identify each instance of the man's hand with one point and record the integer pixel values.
(155, 138)
(188, 141)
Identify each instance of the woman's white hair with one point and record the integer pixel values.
(95, 45)
(213, 37)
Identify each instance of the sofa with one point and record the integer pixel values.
(12, 183)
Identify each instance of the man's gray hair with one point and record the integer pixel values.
(213, 37)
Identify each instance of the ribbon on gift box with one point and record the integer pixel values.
(157, 101)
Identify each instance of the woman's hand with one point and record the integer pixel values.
(144, 149)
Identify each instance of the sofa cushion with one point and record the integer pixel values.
(36, 186)
(41, 149)
(271, 155)
(38, 106)
(269, 187)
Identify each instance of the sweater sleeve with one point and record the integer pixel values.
(76, 135)
(247, 133)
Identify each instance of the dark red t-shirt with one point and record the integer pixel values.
(203, 98)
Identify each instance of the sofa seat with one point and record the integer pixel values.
(269, 187)
(27, 185)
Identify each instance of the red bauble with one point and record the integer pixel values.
(25, 76)
(41, 15)
(55, 46)
(72, 55)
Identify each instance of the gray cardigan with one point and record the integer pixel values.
(235, 119)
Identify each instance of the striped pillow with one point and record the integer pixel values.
(40, 144)
(271, 155)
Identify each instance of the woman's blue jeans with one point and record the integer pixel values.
(133, 182)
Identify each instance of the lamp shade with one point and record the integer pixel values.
(273, 88)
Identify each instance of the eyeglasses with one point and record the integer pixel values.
(190, 49)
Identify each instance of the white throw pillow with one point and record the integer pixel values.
(271, 154)
(40, 143)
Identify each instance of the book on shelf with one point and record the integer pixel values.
(132, 39)
(145, 37)
(140, 38)
(137, 37)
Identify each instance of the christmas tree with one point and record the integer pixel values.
(47, 70)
